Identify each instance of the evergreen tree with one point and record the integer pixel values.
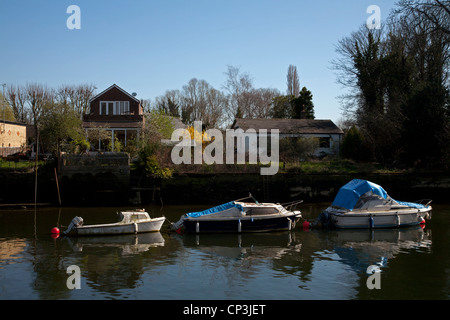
(303, 106)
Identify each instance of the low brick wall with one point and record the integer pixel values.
(114, 163)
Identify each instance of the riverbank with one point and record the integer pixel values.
(211, 188)
(285, 187)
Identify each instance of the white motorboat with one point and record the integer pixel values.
(237, 216)
(130, 222)
(364, 204)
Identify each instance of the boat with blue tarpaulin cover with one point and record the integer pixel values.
(238, 216)
(364, 204)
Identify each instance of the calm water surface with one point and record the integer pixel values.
(317, 264)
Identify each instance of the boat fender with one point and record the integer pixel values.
(371, 224)
(197, 227)
(239, 226)
(136, 228)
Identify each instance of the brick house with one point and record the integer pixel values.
(13, 137)
(118, 113)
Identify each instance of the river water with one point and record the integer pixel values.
(414, 263)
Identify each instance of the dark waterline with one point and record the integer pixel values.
(297, 265)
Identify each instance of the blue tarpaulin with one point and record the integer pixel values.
(349, 194)
(411, 204)
(219, 208)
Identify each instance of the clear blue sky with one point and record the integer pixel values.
(150, 46)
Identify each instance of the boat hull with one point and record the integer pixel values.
(153, 225)
(244, 224)
(371, 220)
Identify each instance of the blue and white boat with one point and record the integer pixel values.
(237, 216)
(364, 204)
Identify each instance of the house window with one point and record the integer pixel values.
(114, 107)
(103, 108)
(122, 107)
(324, 142)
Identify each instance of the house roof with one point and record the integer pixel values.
(13, 122)
(117, 87)
(289, 126)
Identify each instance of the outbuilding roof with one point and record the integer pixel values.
(289, 126)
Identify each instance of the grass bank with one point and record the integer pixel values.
(339, 166)
(335, 166)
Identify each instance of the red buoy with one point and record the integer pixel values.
(306, 225)
(55, 230)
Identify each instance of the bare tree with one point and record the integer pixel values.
(64, 93)
(238, 87)
(260, 103)
(169, 103)
(37, 96)
(244, 100)
(16, 97)
(437, 12)
(83, 94)
(146, 105)
(216, 102)
(293, 84)
(200, 101)
(76, 97)
(194, 98)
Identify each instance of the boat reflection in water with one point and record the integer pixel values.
(235, 246)
(360, 249)
(297, 253)
(127, 243)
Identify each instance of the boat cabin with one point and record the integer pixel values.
(133, 216)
